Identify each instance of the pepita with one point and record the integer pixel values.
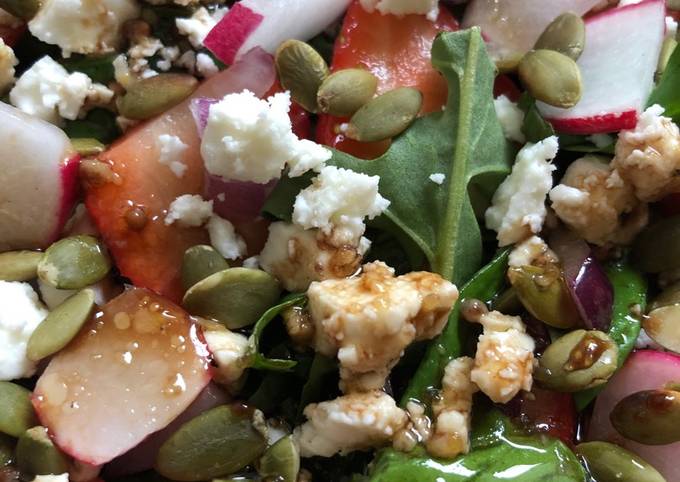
(385, 116)
(74, 263)
(61, 325)
(19, 265)
(236, 297)
(37, 455)
(301, 70)
(663, 326)
(345, 91)
(608, 462)
(281, 461)
(16, 410)
(578, 360)
(151, 96)
(216, 443)
(86, 146)
(24, 9)
(544, 293)
(566, 34)
(551, 77)
(6, 450)
(199, 262)
(650, 417)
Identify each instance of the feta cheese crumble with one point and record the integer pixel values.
(83, 26)
(250, 139)
(20, 314)
(224, 239)
(51, 478)
(511, 118)
(7, 63)
(197, 27)
(337, 203)
(437, 178)
(429, 8)
(48, 91)
(205, 65)
(229, 351)
(352, 422)
(518, 205)
(368, 320)
(296, 256)
(189, 210)
(171, 149)
(528, 251)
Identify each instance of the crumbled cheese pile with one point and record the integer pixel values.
(511, 118)
(48, 91)
(171, 149)
(250, 139)
(429, 8)
(518, 205)
(197, 27)
(20, 314)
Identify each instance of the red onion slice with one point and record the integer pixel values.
(236, 201)
(200, 109)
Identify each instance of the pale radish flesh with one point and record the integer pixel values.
(510, 27)
(617, 69)
(136, 366)
(644, 370)
(39, 178)
(268, 23)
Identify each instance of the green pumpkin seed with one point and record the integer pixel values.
(667, 50)
(151, 96)
(661, 237)
(74, 263)
(385, 116)
(281, 461)
(199, 262)
(301, 70)
(24, 9)
(61, 325)
(6, 450)
(345, 91)
(19, 265)
(566, 34)
(544, 294)
(607, 462)
(86, 146)
(578, 360)
(216, 443)
(662, 324)
(650, 417)
(36, 454)
(236, 297)
(16, 410)
(551, 77)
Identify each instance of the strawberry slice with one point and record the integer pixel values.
(147, 251)
(397, 51)
(137, 365)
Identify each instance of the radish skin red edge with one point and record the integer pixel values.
(69, 186)
(231, 32)
(617, 69)
(644, 370)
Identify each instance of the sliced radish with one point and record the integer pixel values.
(511, 27)
(39, 179)
(263, 23)
(138, 364)
(617, 69)
(644, 370)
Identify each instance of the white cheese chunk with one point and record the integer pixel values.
(229, 351)
(83, 26)
(20, 314)
(250, 139)
(171, 149)
(224, 238)
(51, 478)
(205, 65)
(197, 27)
(511, 118)
(189, 211)
(437, 178)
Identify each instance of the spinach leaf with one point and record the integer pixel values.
(630, 289)
(666, 92)
(465, 142)
(535, 128)
(313, 390)
(258, 360)
(499, 452)
(98, 68)
(98, 124)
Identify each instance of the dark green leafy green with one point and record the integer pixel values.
(535, 128)
(98, 124)
(258, 360)
(499, 452)
(582, 144)
(465, 142)
(98, 68)
(313, 390)
(666, 92)
(630, 289)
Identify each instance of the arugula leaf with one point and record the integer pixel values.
(98, 68)
(258, 360)
(666, 92)
(464, 142)
(98, 124)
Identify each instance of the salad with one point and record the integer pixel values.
(339, 240)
